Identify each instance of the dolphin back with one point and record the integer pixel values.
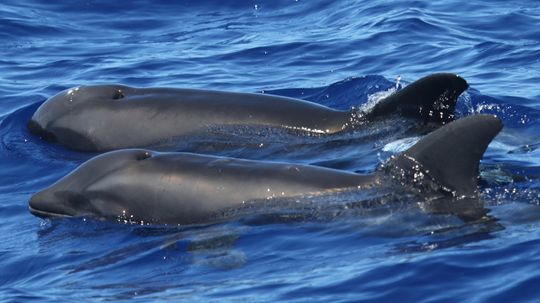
(449, 156)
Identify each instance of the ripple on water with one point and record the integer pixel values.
(336, 53)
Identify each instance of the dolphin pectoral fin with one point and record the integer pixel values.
(449, 156)
(430, 99)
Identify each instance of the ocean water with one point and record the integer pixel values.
(337, 53)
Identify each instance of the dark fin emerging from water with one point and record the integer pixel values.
(449, 156)
(430, 99)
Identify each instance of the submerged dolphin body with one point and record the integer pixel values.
(108, 117)
(184, 188)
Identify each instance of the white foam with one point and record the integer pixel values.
(400, 145)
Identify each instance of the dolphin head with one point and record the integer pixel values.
(99, 188)
(59, 118)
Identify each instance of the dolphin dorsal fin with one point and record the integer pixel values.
(431, 99)
(450, 155)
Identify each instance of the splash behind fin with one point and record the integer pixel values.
(450, 155)
(431, 99)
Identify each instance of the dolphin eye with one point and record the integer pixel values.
(143, 156)
(118, 94)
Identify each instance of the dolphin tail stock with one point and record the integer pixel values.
(430, 99)
(448, 157)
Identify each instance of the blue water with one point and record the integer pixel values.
(337, 53)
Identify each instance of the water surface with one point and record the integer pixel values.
(337, 53)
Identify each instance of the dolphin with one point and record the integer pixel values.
(107, 117)
(184, 188)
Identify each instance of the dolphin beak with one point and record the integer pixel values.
(35, 128)
(42, 204)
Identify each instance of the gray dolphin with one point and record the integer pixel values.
(185, 188)
(107, 117)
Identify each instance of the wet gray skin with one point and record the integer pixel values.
(179, 187)
(108, 117)
(185, 188)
